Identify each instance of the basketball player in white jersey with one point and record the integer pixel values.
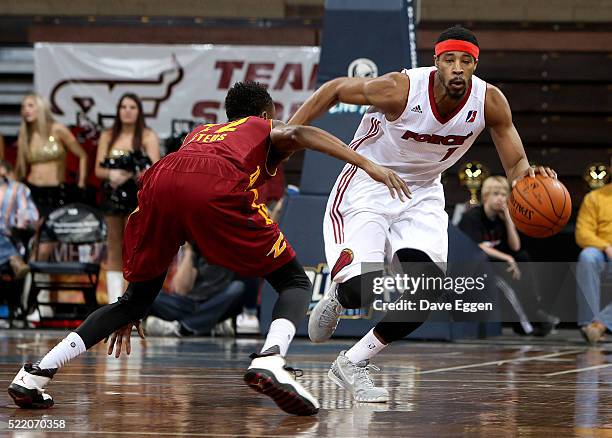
(420, 122)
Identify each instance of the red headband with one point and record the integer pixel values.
(457, 46)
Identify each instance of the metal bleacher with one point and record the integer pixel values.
(16, 80)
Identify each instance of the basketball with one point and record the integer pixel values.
(540, 206)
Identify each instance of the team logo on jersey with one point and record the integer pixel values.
(363, 68)
(279, 246)
(448, 140)
(345, 259)
(417, 109)
(471, 116)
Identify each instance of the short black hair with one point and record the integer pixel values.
(245, 99)
(458, 32)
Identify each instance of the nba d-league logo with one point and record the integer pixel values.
(363, 68)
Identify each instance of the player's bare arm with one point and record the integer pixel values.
(506, 138)
(287, 139)
(388, 93)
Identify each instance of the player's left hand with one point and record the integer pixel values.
(533, 170)
(118, 337)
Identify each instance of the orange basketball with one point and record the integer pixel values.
(540, 206)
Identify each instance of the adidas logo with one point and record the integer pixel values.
(417, 109)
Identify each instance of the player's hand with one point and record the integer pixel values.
(512, 268)
(533, 170)
(118, 177)
(124, 333)
(390, 179)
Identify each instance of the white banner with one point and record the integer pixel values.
(174, 81)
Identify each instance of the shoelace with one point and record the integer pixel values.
(330, 313)
(363, 375)
(295, 371)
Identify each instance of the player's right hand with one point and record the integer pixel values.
(390, 179)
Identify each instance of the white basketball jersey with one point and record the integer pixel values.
(421, 144)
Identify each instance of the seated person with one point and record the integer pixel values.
(594, 236)
(491, 227)
(17, 212)
(196, 299)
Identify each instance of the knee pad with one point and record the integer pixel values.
(357, 292)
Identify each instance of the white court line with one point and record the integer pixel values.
(579, 370)
(498, 362)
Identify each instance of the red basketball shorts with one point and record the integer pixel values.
(186, 197)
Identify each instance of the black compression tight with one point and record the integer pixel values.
(294, 292)
(132, 306)
(415, 263)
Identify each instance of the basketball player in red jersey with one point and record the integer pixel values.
(420, 122)
(207, 192)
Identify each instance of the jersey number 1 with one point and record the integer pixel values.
(449, 152)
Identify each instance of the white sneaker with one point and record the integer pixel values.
(27, 388)
(325, 316)
(355, 378)
(247, 324)
(269, 375)
(225, 329)
(155, 326)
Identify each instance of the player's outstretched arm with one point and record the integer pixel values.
(388, 93)
(287, 139)
(509, 146)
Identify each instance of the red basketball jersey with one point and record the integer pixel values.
(244, 142)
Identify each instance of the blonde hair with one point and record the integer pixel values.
(44, 122)
(492, 183)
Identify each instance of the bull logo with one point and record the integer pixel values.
(153, 92)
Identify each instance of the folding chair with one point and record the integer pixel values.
(80, 228)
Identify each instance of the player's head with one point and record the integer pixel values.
(248, 98)
(456, 57)
(494, 192)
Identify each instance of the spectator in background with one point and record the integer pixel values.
(200, 298)
(123, 152)
(594, 236)
(491, 227)
(41, 145)
(17, 211)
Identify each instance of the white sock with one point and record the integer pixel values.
(366, 348)
(69, 348)
(281, 333)
(114, 285)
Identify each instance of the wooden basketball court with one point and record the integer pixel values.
(502, 387)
